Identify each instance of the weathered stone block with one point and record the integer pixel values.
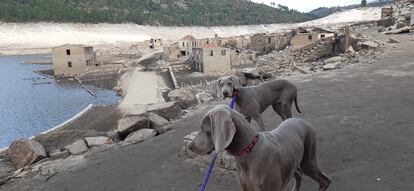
(77, 147)
(25, 152)
(140, 135)
(157, 121)
(97, 141)
(130, 124)
(331, 66)
(168, 110)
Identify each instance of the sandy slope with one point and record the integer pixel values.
(45, 35)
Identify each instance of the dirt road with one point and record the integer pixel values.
(363, 115)
(142, 87)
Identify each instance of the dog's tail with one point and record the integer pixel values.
(296, 104)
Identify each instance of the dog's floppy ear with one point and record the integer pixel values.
(236, 82)
(222, 130)
(216, 88)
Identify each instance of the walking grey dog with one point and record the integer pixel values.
(252, 101)
(265, 161)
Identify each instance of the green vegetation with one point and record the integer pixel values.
(148, 12)
(363, 3)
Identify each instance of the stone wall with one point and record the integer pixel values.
(314, 51)
(259, 42)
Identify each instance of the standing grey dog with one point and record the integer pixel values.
(265, 161)
(252, 101)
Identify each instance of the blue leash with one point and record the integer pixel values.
(213, 160)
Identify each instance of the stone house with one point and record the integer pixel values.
(155, 43)
(304, 37)
(211, 59)
(234, 42)
(172, 52)
(276, 41)
(186, 44)
(72, 59)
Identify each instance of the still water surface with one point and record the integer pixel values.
(31, 103)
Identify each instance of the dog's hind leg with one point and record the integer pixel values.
(277, 107)
(309, 165)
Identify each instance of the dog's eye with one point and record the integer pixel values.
(221, 85)
(229, 84)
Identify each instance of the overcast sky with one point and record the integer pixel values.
(308, 5)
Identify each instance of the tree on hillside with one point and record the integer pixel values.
(363, 3)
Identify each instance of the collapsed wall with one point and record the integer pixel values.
(314, 51)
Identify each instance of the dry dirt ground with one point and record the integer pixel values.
(363, 115)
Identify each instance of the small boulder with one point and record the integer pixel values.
(369, 45)
(157, 121)
(168, 110)
(334, 60)
(58, 154)
(400, 25)
(130, 124)
(393, 40)
(77, 147)
(204, 97)
(140, 135)
(331, 66)
(183, 96)
(114, 135)
(97, 141)
(25, 152)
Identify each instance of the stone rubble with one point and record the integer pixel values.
(204, 97)
(183, 96)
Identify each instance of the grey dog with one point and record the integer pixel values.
(252, 101)
(265, 161)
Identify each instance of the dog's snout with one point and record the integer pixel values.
(226, 94)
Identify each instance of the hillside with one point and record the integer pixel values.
(325, 11)
(29, 38)
(148, 12)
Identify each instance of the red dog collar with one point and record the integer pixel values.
(249, 147)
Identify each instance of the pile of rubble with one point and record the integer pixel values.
(399, 18)
(146, 122)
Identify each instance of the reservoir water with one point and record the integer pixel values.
(31, 103)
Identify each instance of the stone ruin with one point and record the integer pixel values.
(398, 15)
